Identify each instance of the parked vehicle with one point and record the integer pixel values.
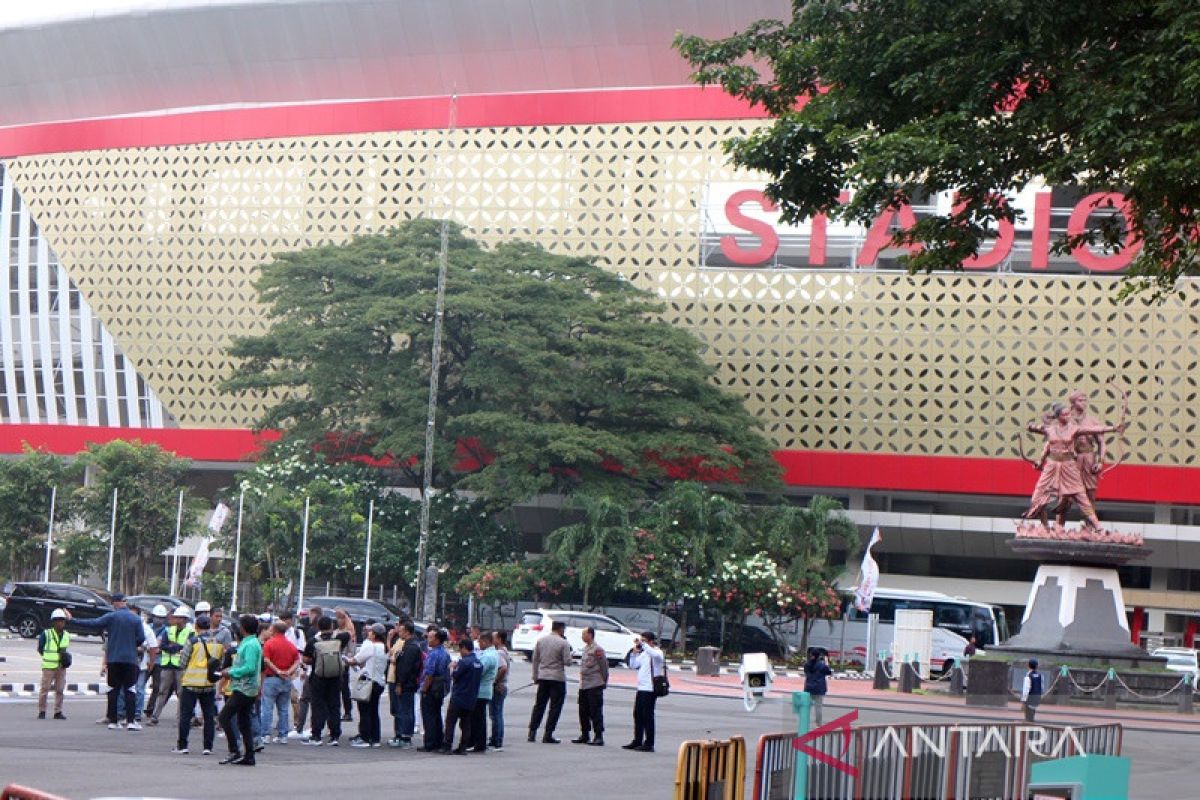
(146, 602)
(31, 603)
(1180, 659)
(360, 610)
(615, 638)
(752, 640)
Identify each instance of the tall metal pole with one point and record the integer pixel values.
(435, 367)
(175, 552)
(112, 541)
(50, 532)
(367, 566)
(237, 553)
(303, 559)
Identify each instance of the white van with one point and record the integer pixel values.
(615, 638)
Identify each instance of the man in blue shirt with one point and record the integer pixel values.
(490, 662)
(125, 636)
(434, 677)
(467, 674)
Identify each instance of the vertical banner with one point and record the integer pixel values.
(868, 578)
(200, 560)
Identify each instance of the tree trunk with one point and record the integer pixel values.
(586, 588)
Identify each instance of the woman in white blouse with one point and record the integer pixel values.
(371, 659)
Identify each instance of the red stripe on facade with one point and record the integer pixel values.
(814, 468)
(590, 107)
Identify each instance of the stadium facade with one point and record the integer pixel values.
(154, 154)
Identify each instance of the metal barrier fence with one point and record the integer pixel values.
(924, 762)
(711, 770)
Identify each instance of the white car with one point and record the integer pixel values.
(1179, 659)
(615, 638)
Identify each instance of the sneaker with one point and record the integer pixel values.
(135, 726)
(296, 735)
(112, 726)
(152, 721)
(207, 752)
(394, 743)
(60, 715)
(333, 742)
(359, 743)
(104, 721)
(180, 751)
(497, 747)
(313, 741)
(41, 715)
(355, 740)
(376, 744)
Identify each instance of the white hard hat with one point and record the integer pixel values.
(203, 606)
(58, 613)
(265, 617)
(158, 611)
(182, 611)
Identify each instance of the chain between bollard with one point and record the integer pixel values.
(1159, 696)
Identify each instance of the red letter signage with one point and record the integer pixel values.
(768, 238)
(1075, 226)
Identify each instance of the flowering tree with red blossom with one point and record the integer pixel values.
(497, 584)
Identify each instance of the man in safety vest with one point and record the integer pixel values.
(170, 659)
(198, 684)
(52, 645)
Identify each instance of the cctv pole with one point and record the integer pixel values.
(424, 604)
(237, 553)
(303, 559)
(175, 552)
(367, 566)
(50, 532)
(112, 541)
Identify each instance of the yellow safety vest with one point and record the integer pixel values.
(195, 674)
(55, 643)
(179, 637)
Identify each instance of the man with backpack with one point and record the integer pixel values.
(325, 655)
(202, 658)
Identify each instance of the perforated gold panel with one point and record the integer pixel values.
(165, 242)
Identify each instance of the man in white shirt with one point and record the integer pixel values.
(648, 660)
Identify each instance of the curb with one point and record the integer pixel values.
(31, 689)
(781, 672)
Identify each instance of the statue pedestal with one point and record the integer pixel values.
(1076, 610)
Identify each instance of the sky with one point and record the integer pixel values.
(16, 13)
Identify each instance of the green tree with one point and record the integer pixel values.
(496, 584)
(557, 374)
(688, 533)
(25, 487)
(980, 98)
(598, 546)
(148, 480)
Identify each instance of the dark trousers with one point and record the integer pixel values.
(240, 707)
(479, 718)
(368, 716)
(302, 706)
(591, 711)
(431, 716)
(121, 679)
(643, 718)
(326, 710)
(347, 702)
(208, 709)
(554, 693)
(1031, 706)
(496, 712)
(404, 712)
(462, 716)
(154, 679)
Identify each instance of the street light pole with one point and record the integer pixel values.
(423, 604)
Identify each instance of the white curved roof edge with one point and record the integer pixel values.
(21, 15)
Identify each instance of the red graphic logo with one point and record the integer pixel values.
(842, 723)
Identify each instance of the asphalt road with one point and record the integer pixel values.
(78, 759)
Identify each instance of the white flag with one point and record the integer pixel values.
(869, 577)
(197, 567)
(219, 515)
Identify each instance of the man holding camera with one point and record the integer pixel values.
(648, 660)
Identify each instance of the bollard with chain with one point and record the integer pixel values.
(1186, 700)
(882, 681)
(956, 680)
(915, 666)
(801, 704)
(1110, 688)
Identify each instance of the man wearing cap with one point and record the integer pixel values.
(1031, 691)
(197, 685)
(125, 636)
(148, 658)
(52, 646)
(647, 659)
(170, 660)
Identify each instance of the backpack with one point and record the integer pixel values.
(327, 658)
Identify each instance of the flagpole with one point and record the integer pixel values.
(175, 552)
(367, 568)
(112, 540)
(50, 532)
(303, 559)
(237, 554)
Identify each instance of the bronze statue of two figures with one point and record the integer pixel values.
(1071, 462)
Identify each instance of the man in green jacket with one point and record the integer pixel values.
(244, 677)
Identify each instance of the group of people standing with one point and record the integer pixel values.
(253, 677)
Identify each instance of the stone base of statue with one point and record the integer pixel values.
(1076, 610)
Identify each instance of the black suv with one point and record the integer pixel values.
(30, 605)
(360, 610)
